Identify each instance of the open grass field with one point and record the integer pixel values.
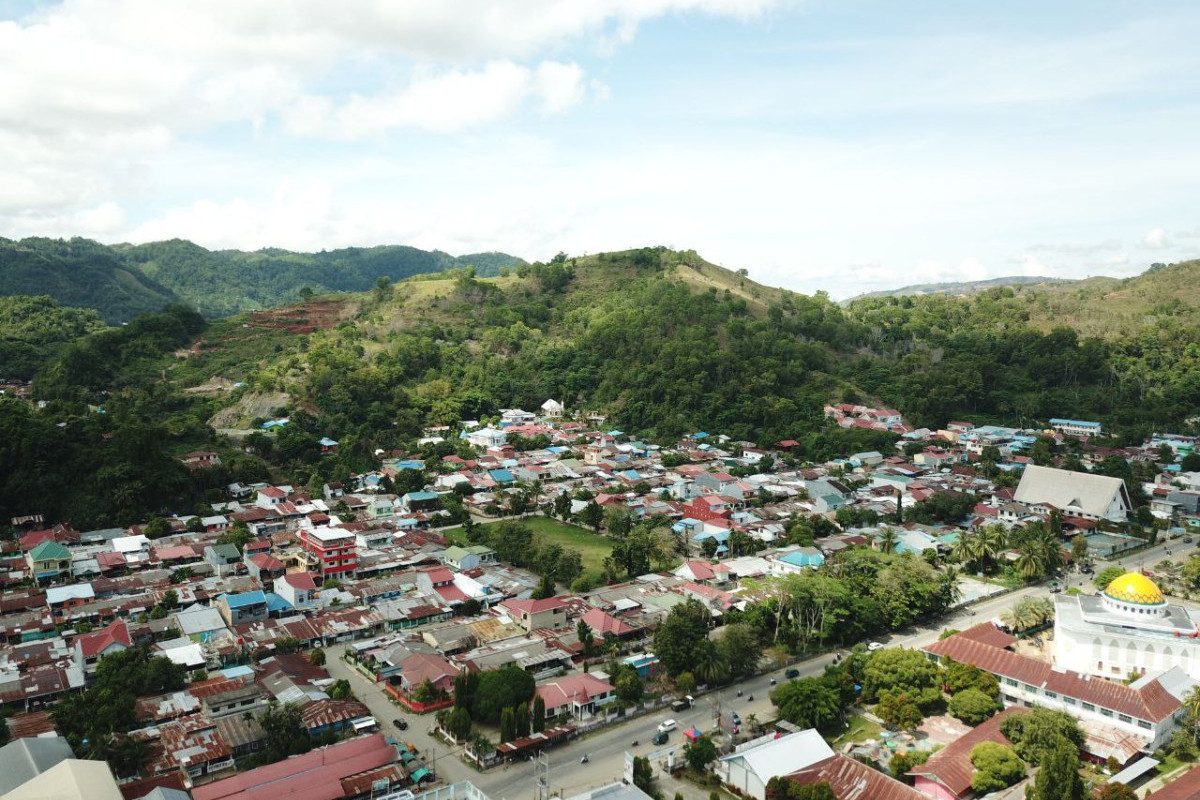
(592, 547)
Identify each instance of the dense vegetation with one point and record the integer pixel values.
(661, 341)
(34, 330)
(80, 272)
(123, 281)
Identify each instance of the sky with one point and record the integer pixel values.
(836, 145)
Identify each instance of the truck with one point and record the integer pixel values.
(683, 704)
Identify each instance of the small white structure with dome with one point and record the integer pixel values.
(1128, 628)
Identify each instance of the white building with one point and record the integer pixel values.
(1128, 628)
(753, 764)
(1143, 714)
(487, 437)
(552, 408)
(1075, 494)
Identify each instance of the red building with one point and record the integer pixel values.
(329, 552)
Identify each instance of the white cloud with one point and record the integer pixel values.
(442, 102)
(1156, 238)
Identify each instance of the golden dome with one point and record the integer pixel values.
(1134, 587)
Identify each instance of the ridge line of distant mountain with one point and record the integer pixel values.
(122, 281)
(965, 287)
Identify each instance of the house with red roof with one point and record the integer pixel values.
(577, 695)
(421, 667)
(947, 773)
(263, 567)
(702, 572)
(604, 624)
(549, 613)
(91, 647)
(299, 589)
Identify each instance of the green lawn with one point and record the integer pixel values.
(860, 730)
(592, 547)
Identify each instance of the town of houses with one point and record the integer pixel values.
(372, 575)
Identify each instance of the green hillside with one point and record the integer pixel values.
(225, 282)
(80, 272)
(34, 330)
(123, 281)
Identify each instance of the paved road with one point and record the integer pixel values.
(606, 747)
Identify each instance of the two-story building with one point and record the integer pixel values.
(549, 613)
(298, 589)
(49, 561)
(238, 609)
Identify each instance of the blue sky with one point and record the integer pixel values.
(845, 146)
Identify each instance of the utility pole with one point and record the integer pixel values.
(541, 771)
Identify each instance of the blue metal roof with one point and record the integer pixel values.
(501, 476)
(277, 603)
(246, 598)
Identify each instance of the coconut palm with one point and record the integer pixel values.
(710, 666)
(989, 543)
(887, 541)
(950, 587)
(964, 549)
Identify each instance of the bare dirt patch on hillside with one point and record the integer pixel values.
(249, 406)
(306, 318)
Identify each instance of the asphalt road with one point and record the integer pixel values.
(605, 748)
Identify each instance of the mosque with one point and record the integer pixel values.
(1128, 628)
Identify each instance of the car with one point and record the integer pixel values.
(660, 738)
(1187, 540)
(736, 719)
(873, 646)
(792, 672)
(400, 723)
(1086, 569)
(667, 725)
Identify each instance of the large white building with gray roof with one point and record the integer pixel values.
(1075, 494)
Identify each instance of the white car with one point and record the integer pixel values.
(873, 646)
(667, 725)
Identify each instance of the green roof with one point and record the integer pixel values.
(48, 550)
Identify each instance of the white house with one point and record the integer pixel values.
(487, 437)
(1077, 494)
(753, 764)
(578, 695)
(299, 589)
(552, 408)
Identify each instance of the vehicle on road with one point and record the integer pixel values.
(791, 672)
(873, 646)
(683, 704)
(660, 738)
(1187, 540)
(667, 725)
(400, 723)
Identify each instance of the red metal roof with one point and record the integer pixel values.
(316, 775)
(1152, 702)
(850, 780)
(1186, 787)
(987, 633)
(951, 767)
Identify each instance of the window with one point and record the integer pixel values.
(1088, 707)
(1124, 718)
(1070, 701)
(1051, 695)
(1106, 712)
(1143, 724)
(1031, 689)
(1009, 682)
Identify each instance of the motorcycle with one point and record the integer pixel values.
(584, 760)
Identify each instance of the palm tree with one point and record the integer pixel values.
(710, 666)
(887, 541)
(964, 548)
(989, 543)
(950, 587)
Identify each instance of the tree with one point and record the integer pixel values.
(498, 689)
(628, 684)
(285, 733)
(996, 767)
(466, 685)
(538, 719)
(905, 760)
(522, 720)
(508, 725)
(679, 637)
(739, 649)
(959, 677)
(784, 788)
(586, 637)
(341, 690)
(1058, 779)
(897, 669)
(1114, 791)
(592, 515)
(1040, 730)
(1103, 579)
(807, 702)
(562, 506)
(899, 710)
(458, 723)
(569, 567)
(710, 665)
(546, 587)
(618, 521)
(643, 775)
(972, 706)
(317, 657)
(700, 753)
(1079, 548)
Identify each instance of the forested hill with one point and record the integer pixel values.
(222, 282)
(660, 341)
(80, 272)
(123, 281)
(963, 287)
